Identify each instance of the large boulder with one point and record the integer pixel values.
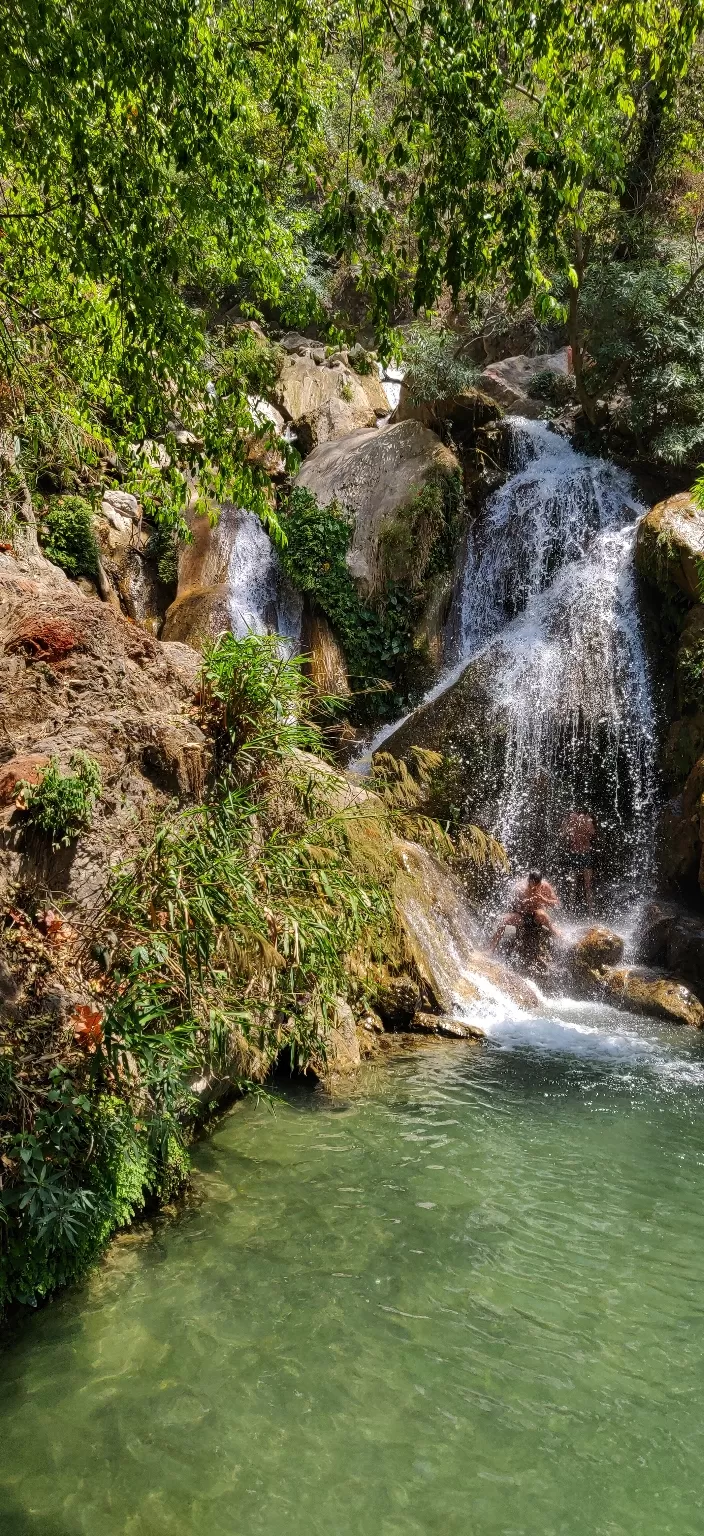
(670, 546)
(377, 475)
(464, 412)
(673, 937)
(326, 400)
(458, 722)
(595, 962)
(598, 948)
(643, 990)
(507, 382)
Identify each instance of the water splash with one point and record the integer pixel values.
(549, 598)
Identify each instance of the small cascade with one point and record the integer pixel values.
(471, 987)
(260, 601)
(549, 604)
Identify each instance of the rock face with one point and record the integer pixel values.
(507, 382)
(682, 832)
(325, 661)
(75, 675)
(326, 399)
(228, 578)
(375, 474)
(670, 544)
(673, 937)
(455, 721)
(465, 412)
(595, 965)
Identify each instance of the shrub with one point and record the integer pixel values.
(67, 537)
(62, 804)
(254, 700)
(435, 366)
(556, 389)
(644, 329)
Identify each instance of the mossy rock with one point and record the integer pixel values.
(670, 547)
(690, 662)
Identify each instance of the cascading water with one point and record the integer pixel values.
(260, 600)
(549, 605)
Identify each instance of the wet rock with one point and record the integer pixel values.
(325, 659)
(464, 412)
(217, 573)
(397, 1000)
(376, 475)
(445, 1027)
(598, 948)
(682, 833)
(507, 382)
(459, 721)
(375, 393)
(670, 546)
(648, 991)
(673, 937)
(683, 748)
(342, 1052)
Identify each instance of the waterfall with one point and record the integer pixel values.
(260, 600)
(549, 605)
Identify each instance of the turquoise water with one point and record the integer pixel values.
(467, 1299)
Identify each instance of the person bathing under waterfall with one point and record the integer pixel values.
(531, 918)
(578, 832)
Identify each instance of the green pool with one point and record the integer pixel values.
(467, 1299)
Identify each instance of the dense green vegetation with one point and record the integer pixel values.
(61, 804)
(166, 168)
(222, 947)
(377, 637)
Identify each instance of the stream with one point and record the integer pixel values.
(465, 1299)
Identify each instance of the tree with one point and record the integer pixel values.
(516, 138)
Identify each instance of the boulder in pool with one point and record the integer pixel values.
(643, 990)
(598, 948)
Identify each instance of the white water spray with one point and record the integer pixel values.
(549, 597)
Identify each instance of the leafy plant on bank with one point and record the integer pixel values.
(61, 805)
(378, 641)
(67, 536)
(232, 934)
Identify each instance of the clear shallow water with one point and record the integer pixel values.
(466, 1300)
